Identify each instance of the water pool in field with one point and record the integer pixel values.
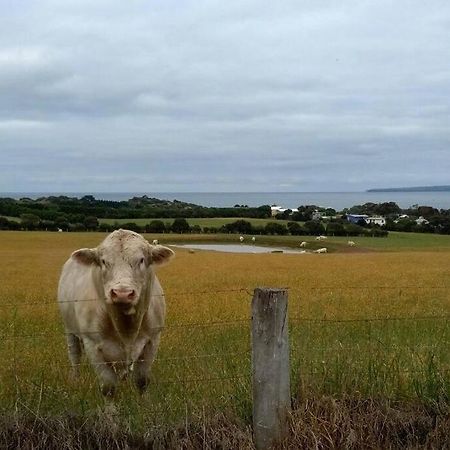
(238, 248)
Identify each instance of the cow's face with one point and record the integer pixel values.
(126, 262)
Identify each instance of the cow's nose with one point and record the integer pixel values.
(123, 295)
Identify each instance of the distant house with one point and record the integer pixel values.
(370, 220)
(376, 220)
(316, 215)
(355, 218)
(279, 209)
(422, 221)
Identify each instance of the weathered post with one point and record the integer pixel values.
(270, 366)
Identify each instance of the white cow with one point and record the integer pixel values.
(113, 306)
(351, 244)
(321, 250)
(303, 244)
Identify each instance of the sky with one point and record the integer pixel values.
(212, 96)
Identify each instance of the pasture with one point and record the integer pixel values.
(363, 325)
(216, 222)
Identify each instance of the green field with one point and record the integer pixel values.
(202, 222)
(366, 326)
(393, 243)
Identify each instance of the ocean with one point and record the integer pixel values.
(336, 200)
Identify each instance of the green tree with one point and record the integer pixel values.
(295, 228)
(275, 228)
(335, 229)
(91, 223)
(180, 226)
(155, 226)
(30, 221)
(239, 226)
(314, 228)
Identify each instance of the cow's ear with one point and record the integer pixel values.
(86, 256)
(160, 254)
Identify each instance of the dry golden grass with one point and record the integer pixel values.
(207, 365)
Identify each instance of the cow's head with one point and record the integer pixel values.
(126, 262)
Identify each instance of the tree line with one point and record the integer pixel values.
(182, 226)
(75, 210)
(73, 214)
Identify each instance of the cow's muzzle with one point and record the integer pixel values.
(123, 296)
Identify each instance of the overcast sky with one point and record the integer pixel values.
(158, 96)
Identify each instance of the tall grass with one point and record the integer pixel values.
(362, 326)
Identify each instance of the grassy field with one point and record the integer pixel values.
(202, 222)
(203, 367)
(395, 242)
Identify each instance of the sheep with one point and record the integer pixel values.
(241, 238)
(155, 242)
(351, 244)
(321, 238)
(303, 244)
(253, 239)
(321, 250)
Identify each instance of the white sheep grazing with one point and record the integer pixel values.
(320, 238)
(241, 238)
(303, 244)
(321, 250)
(351, 244)
(253, 239)
(155, 242)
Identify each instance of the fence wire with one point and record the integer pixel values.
(208, 361)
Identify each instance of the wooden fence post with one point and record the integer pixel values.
(270, 366)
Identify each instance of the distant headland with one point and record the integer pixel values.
(414, 189)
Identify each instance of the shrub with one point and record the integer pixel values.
(276, 228)
(180, 226)
(155, 226)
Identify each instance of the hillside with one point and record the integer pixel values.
(444, 188)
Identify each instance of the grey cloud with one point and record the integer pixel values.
(213, 95)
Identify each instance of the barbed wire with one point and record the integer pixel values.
(346, 287)
(369, 319)
(222, 357)
(437, 371)
(158, 359)
(95, 332)
(172, 294)
(168, 295)
(219, 323)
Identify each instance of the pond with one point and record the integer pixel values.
(238, 248)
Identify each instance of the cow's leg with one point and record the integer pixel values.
(105, 371)
(141, 367)
(74, 350)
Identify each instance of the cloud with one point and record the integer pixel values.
(216, 96)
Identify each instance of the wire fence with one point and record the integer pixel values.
(205, 352)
